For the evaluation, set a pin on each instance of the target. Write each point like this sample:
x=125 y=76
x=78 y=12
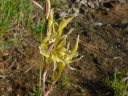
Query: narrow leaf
x=37 y=4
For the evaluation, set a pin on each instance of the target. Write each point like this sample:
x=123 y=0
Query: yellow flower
x=53 y=47
x=65 y=60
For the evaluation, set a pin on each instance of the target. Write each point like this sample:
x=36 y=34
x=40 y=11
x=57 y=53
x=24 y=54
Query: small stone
x=124 y=21
x=77 y=1
x=62 y=14
x=97 y=24
x=9 y=89
x=15 y=35
x=99 y=60
x=90 y=3
x=2 y=89
x=83 y=1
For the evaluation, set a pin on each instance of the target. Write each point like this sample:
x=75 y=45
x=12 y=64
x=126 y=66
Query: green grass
x=58 y=4
x=19 y=13
x=119 y=84
x=11 y=41
x=65 y=79
x=36 y=92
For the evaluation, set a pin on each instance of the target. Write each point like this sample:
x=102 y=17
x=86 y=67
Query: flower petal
x=50 y=21
x=74 y=49
x=60 y=41
x=63 y=23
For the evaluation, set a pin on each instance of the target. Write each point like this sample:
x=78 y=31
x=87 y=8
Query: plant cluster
x=54 y=48
x=119 y=85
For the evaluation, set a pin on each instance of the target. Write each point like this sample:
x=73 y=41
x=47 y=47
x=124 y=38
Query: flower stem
x=43 y=83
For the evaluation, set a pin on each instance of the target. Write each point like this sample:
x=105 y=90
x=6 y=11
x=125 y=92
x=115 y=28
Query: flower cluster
x=54 y=47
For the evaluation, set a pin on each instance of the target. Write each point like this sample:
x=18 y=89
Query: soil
x=103 y=44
